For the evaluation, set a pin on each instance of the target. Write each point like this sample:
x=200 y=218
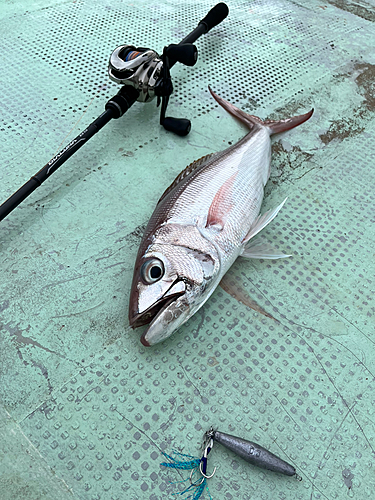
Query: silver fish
x=201 y=224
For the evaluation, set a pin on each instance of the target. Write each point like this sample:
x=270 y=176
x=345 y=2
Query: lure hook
x=195 y=482
x=203 y=462
x=203 y=474
x=207 y=449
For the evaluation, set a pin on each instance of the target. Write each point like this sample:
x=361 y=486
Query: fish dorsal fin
x=187 y=171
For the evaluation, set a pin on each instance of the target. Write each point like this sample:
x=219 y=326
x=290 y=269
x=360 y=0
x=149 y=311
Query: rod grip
x=215 y=16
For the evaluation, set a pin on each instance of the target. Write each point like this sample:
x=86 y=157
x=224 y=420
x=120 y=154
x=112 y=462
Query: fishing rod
x=143 y=75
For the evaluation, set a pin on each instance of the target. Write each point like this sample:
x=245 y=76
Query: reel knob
x=180 y=126
x=185 y=53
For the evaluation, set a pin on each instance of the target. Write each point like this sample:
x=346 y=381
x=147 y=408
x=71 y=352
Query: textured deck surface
x=85 y=409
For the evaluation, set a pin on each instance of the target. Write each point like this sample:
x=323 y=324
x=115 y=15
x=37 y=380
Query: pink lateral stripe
x=221 y=205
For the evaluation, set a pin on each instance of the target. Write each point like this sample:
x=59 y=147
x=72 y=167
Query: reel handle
x=186 y=54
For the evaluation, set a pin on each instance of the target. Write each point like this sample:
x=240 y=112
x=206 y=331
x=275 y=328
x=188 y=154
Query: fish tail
x=274 y=126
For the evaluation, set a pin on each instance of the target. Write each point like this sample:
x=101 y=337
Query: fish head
x=170 y=283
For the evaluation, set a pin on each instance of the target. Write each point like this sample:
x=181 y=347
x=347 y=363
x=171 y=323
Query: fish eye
x=152 y=270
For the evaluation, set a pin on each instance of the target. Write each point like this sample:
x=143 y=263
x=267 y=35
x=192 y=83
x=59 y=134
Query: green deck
x=85 y=409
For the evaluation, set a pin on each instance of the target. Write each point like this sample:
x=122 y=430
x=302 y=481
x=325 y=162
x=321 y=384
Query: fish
x=202 y=223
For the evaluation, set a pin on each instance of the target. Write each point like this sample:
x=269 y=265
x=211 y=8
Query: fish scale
x=201 y=224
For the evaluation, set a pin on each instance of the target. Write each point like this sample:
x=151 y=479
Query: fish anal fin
x=187 y=171
x=262 y=221
x=229 y=285
x=260 y=248
x=221 y=204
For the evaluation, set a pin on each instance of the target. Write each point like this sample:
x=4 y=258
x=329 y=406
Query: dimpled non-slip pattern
x=86 y=410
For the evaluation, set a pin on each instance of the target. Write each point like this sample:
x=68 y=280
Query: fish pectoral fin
x=221 y=205
x=262 y=221
x=260 y=248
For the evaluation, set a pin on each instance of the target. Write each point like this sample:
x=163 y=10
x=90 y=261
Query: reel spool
x=138 y=67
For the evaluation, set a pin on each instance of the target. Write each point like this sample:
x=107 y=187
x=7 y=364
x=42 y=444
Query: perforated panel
x=93 y=408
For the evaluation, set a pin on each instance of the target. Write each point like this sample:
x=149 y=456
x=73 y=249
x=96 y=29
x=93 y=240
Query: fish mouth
x=145 y=317
x=168 y=319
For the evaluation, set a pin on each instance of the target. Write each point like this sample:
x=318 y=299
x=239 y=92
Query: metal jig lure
x=253 y=453
x=249 y=451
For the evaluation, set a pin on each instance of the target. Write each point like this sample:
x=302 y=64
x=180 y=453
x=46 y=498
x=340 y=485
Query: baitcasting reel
x=138 y=67
x=148 y=73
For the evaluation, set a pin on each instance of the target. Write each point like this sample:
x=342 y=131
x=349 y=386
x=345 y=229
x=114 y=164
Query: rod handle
x=215 y=16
